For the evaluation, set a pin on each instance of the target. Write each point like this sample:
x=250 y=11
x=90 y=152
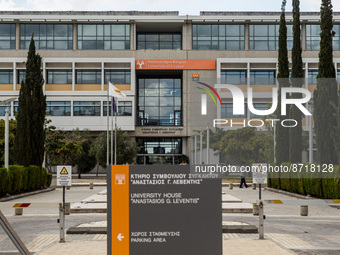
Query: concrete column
x=246 y=36
x=187 y=33
x=255 y=209
x=17 y=36
x=133 y=36
x=303 y=36
x=75 y=36
x=14 y=76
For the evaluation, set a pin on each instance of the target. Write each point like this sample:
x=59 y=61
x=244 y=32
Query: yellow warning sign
x=63 y=171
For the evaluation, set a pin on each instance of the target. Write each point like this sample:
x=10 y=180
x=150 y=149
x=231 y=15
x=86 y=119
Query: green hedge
x=20 y=179
x=327 y=186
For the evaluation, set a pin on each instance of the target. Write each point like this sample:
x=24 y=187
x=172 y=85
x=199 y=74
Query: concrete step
x=237 y=208
x=88 y=208
x=230 y=199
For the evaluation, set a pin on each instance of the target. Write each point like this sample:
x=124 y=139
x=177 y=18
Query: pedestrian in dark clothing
x=243 y=180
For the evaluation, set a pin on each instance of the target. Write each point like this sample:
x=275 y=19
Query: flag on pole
x=114 y=106
x=114 y=92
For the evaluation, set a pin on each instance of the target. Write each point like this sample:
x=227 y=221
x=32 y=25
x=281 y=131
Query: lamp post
x=7 y=128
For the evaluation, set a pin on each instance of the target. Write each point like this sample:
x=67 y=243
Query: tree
x=282 y=133
x=12 y=131
x=127 y=149
x=325 y=96
x=85 y=161
x=60 y=149
x=295 y=133
x=30 y=136
x=246 y=146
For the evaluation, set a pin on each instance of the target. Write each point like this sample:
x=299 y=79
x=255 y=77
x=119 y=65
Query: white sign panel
x=260 y=173
x=64 y=175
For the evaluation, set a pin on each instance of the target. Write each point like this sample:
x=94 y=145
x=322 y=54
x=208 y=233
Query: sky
x=185 y=7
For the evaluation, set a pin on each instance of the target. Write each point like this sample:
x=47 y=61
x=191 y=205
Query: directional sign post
x=163 y=210
x=64 y=178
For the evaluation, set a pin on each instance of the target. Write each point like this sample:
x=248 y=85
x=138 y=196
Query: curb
x=86 y=230
x=289 y=193
x=26 y=194
x=248 y=229
x=88 y=210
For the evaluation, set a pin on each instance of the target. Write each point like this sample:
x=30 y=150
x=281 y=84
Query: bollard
x=231 y=185
x=18 y=211
x=68 y=187
x=91 y=185
x=67 y=208
x=261 y=221
x=255 y=209
x=62 y=223
x=304 y=210
x=254 y=186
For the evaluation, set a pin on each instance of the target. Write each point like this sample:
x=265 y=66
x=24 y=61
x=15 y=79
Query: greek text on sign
x=175 y=64
x=259 y=176
x=64 y=175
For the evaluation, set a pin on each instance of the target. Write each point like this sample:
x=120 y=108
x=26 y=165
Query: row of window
x=80 y=108
x=64 y=76
x=117 y=37
x=261 y=77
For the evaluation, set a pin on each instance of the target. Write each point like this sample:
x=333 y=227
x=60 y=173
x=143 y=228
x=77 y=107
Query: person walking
x=243 y=180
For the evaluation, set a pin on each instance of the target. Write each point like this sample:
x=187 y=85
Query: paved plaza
x=286 y=232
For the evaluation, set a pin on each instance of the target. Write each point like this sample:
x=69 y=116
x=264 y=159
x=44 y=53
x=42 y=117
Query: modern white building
x=157 y=60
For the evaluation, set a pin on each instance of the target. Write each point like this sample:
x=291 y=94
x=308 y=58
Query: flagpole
x=112 y=132
x=108 y=124
x=116 y=132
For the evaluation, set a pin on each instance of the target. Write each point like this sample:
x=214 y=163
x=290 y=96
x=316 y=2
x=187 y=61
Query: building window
x=234 y=77
x=60 y=108
x=7 y=36
x=262 y=77
x=159 y=102
x=59 y=76
x=227 y=111
x=88 y=76
x=118 y=76
x=159 y=41
x=86 y=108
x=218 y=37
x=22 y=75
x=6 y=76
x=103 y=37
x=266 y=37
x=261 y=107
x=312 y=74
x=47 y=36
x=160 y=145
x=3 y=109
x=124 y=108
x=313 y=32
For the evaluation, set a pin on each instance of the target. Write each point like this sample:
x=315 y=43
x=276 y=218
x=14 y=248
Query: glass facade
x=118 y=76
x=159 y=41
x=59 y=76
x=7 y=36
x=58 y=108
x=103 y=36
x=218 y=37
x=22 y=75
x=266 y=37
x=259 y=106
x=89 y=108
x=88 y=76
x=6 y=76
x=313 y=37
x=3 y=109
x=234 y=77
x=227 y=111
x=47 y=36
x=262 y=77
x=124 y=108
x=160 y=145
x=312 y=74
x=159 y=102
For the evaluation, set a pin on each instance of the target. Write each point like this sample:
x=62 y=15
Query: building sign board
x=64 y=175
x=175 y=64
x=163 y=210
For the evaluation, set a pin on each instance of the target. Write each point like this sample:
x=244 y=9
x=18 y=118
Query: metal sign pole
x=62 y=218
x=261 y=221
